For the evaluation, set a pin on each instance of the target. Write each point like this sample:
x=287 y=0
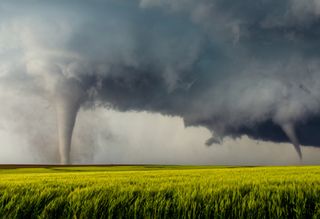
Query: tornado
x=288 y=129
x=68 y=98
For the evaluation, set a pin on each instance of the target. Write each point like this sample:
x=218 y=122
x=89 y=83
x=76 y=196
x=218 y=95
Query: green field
x=160 y=192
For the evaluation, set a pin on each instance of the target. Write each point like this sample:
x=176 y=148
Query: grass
x=160 y=192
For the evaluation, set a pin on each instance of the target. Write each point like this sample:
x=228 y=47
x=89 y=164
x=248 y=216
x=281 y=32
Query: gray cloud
x=236 y=68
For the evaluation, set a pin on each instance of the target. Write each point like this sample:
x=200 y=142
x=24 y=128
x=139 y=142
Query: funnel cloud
x=68 y=97
x=248 y=68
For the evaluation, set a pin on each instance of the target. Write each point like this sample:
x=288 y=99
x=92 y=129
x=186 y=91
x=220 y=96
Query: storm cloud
x=248 y=68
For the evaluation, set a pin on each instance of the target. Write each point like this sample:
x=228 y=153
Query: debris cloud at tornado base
x=237 y=68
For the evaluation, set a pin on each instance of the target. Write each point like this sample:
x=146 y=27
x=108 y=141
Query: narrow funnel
x=69 y=96
x=290 y=132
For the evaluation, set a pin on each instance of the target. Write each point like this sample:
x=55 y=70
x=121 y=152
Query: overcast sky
x=160 y=81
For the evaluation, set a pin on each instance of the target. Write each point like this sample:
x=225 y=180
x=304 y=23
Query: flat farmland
x=151 y=191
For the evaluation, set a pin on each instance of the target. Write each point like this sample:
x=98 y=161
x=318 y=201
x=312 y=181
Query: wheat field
x=160 y=192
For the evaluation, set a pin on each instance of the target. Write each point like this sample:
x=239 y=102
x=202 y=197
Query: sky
x=160 y=81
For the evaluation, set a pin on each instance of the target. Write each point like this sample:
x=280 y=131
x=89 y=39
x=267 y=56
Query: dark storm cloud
x=238 y=68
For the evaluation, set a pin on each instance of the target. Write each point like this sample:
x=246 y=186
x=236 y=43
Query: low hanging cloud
x=237 y=68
